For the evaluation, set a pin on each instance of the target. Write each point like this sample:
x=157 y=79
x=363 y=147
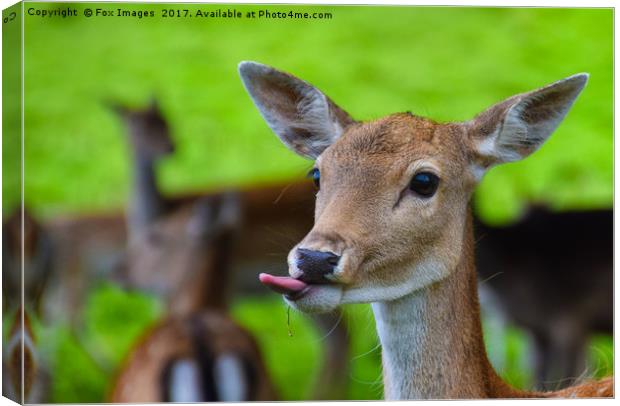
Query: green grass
x=293 y=359
x=11 y=105
x=289 y=367
x=447 y=63
x=83 y=366
x=83 y=361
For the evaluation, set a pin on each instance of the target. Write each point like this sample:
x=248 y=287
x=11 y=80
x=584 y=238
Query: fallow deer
x=545 y=290
x=25 y=379
x=86 y=249
x=166 y=242
x=393 y=225
x=197 y=353
x=36 y=258
x=203 y=358
x=182 y=252
x=26 y=259
x=163 y=233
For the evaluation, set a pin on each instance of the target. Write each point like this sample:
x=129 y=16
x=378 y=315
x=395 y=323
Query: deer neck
x=432 y=345
x=147 y=202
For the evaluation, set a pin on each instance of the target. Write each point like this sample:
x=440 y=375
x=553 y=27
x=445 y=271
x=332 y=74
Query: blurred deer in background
x=86 y=250
x=34 y=385
x=204 y=357
x=562 y=293
x=197 y=353
x=164 y=230
x=37 y=261
x=20 y=350
x=393 y=225
x=165 y=233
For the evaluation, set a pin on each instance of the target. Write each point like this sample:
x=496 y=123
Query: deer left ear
x=304 y=118
x=515 y=128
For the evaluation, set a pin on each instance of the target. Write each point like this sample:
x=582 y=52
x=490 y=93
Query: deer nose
x=315 y=265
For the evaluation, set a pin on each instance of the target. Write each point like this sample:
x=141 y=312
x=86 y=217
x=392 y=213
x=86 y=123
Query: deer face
x=148 y=130
x=393 y=193
x=390 y=198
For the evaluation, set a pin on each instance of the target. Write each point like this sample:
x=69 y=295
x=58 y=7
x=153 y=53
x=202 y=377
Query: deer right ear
x=304 y=119
x=513 y=129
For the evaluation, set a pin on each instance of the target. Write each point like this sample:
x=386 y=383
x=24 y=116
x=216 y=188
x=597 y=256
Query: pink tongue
x=282 y=284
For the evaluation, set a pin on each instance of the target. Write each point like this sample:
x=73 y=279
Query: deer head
x=148 y=130
x=393 y=193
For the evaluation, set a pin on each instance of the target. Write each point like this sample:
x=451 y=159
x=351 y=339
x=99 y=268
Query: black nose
x=315 y=265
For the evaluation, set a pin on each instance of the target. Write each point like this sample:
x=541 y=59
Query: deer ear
x=153 y=104
x=515 y=128
x=116 y=107
x=304 y=119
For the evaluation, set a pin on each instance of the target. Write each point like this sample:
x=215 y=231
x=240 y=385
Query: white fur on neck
x=403 y=327
x=402 y=331
x=424 y=274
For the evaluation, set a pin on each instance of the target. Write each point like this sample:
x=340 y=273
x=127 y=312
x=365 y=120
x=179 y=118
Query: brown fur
x=374 y=156
x=186 y=253
x=274 y=215
x=183 y=268
x=81 y=244
x=410 y=255
x=20 y=350
x=36 y=261
x=173 y=338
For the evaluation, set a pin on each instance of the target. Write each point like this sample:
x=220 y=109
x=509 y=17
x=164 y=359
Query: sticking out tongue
x=282 y=284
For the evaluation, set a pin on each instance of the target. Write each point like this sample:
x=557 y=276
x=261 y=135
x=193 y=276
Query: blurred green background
x=446 y=63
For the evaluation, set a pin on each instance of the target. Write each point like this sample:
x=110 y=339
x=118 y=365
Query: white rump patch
x=185 y=382
x=230 y=378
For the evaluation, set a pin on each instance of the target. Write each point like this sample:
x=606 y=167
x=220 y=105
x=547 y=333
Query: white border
x=478 y=3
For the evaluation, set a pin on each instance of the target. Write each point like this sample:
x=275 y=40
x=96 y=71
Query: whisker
x=332 y=329
x=377 y=381
x=367 y=352
x=287 y=187
x=491 y=277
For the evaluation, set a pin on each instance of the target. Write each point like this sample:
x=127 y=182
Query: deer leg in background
x=69 y=295
x=541 y=353
x=333 y=378
x=227 y=223
x=566 y=359
x=211 y=231
x=496 y=322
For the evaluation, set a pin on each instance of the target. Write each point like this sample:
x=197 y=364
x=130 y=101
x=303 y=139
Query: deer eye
x=424 y=184
x=315 y=175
